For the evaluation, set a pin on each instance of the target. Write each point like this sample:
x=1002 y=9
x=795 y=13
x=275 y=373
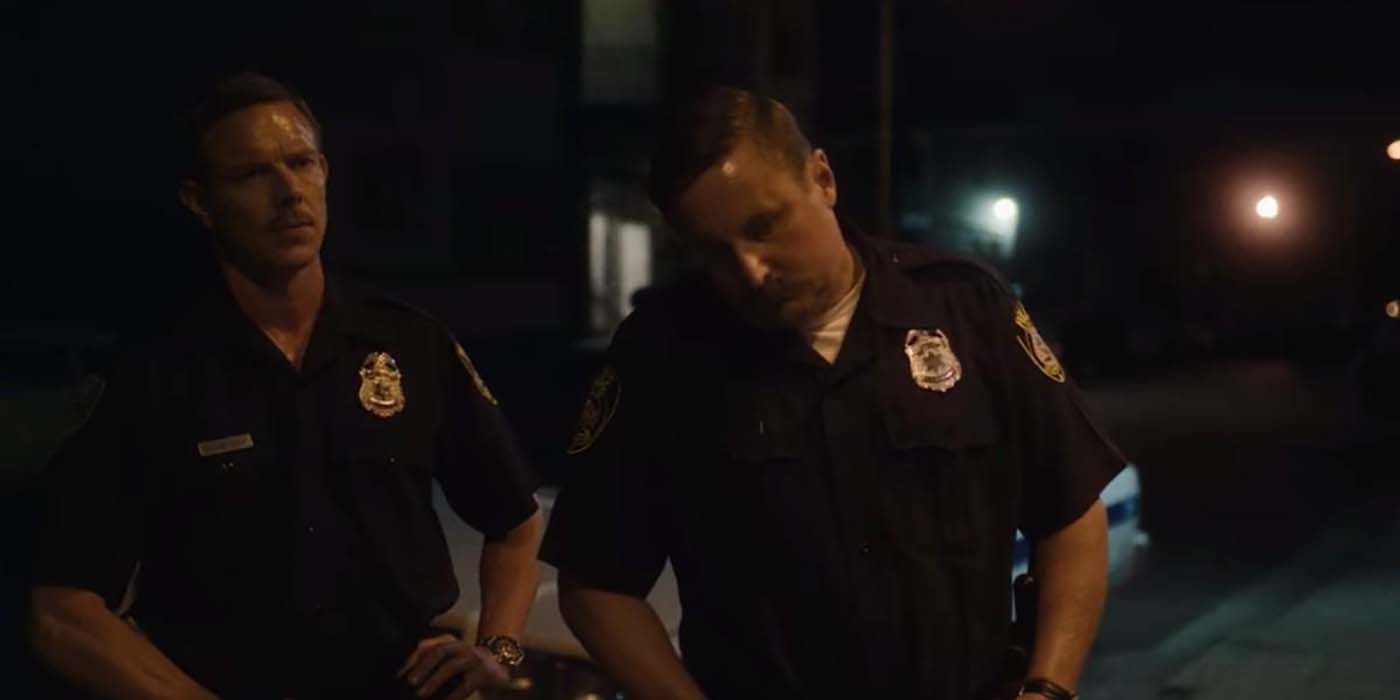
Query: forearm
x=509 y=575
x=1072 y=568
x=75 y=634
x=625 y=636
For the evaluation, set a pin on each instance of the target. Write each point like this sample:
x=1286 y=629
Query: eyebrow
x=259 y=162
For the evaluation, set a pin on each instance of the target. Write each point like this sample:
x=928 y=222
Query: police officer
x=833 y=440
x=257 y=475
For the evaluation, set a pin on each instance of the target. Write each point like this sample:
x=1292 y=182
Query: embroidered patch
x=932 y=364
x=1036 y=348
x=476 y=376
x=603 y=398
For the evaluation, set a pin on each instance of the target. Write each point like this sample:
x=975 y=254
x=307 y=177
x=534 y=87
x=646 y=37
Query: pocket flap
x=962 y=416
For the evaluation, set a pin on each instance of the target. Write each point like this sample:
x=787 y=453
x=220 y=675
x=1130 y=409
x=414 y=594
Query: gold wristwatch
x=506 y=650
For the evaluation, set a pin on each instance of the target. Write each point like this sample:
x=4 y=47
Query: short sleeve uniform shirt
x=836 y=530
x=277 y=523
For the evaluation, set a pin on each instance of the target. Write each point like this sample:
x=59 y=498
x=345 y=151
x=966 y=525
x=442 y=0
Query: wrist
x=1046 y=689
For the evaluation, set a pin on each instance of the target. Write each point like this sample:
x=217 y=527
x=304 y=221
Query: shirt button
x=864 y=547
x=310 y=529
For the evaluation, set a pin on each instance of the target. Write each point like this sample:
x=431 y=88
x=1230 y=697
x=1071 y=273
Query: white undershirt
x=830 y=331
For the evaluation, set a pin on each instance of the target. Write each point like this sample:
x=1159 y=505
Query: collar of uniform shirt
x=340 y=317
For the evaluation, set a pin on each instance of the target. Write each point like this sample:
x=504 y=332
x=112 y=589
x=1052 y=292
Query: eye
x=302 y=162
x=760 y=226
x=250 y=172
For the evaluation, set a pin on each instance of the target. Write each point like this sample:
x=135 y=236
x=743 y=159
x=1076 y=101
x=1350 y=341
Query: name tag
x=232 y=443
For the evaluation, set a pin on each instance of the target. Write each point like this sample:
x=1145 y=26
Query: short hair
x=228 y=96
x=709 y=126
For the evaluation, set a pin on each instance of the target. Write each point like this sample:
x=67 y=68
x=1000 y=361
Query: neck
x=847 y=278
x=284 y=307
x=851 y=273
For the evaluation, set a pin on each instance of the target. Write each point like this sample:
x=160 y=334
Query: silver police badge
x=932 y=363
x=381 y=385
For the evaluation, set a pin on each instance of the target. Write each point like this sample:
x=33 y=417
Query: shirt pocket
x=386 y=469
x=388 y=498
x=226 y=498
x=948 y=458
x=739 y=464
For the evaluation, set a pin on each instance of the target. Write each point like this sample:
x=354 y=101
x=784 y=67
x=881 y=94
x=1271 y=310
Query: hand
x=440 y=659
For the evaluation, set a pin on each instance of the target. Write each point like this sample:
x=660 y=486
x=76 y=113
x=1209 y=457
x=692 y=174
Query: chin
x=288 y=262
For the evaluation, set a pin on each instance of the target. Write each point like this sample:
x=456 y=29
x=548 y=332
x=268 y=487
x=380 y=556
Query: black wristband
x=1048 y=688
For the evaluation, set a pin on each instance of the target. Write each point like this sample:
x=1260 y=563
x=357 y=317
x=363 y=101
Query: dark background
x=463 y=142
x=470 y=141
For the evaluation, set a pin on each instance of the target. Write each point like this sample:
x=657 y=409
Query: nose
x=286 y=186
x=752 y=268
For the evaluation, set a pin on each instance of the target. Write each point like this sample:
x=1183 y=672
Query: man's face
x=264 y=193
x=768 y=237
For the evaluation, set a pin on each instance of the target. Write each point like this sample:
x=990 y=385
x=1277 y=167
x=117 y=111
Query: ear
x=819 y=170
x=191 y=195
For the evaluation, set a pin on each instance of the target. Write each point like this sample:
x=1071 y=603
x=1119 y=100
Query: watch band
x=507 y=650
x=1048 y=688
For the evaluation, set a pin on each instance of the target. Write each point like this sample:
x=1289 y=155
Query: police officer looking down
x=257 y=475
x=832 y=439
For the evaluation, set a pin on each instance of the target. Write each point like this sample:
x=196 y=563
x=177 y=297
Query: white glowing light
x=1393 y=150
x=1267 y=207
x=1005 y=209
x=1392 y=308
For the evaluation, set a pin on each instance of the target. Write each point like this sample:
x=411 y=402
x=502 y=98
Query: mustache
x=771 y=293
x=293 y=219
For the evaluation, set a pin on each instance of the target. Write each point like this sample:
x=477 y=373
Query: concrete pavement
x=1341 y=641
x=1326 y=625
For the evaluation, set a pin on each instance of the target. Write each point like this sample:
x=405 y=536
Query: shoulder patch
x=604 y=395
x=1035 y=347
x=480 y=383
x=933 y=260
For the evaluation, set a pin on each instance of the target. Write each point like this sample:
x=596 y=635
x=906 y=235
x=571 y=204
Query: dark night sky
x=1123 y=122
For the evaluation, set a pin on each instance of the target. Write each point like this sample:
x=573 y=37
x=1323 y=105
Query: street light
x=998 y=218
x=1005 y=209
x=1267 y=207
x=1393 y=150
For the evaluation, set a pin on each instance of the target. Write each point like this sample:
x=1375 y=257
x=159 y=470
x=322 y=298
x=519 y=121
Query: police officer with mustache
x=247 y=512
x=832 y=439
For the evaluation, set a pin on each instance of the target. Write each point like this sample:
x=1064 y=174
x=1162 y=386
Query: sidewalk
x=1340 y=642
x=1326 y=626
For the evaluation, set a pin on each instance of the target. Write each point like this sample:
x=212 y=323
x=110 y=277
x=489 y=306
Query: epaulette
x=688 y=297
x=386 y=315
x=679 y=311
x=385 y=300
x=921 y=261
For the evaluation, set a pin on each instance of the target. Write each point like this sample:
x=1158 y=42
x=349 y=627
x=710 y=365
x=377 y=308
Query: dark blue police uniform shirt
x=284 y=533
x=836 y=530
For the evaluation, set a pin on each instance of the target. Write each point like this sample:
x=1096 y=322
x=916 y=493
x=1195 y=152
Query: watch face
x=506 y=650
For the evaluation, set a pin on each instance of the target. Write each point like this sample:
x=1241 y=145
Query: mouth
x=294 y=225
